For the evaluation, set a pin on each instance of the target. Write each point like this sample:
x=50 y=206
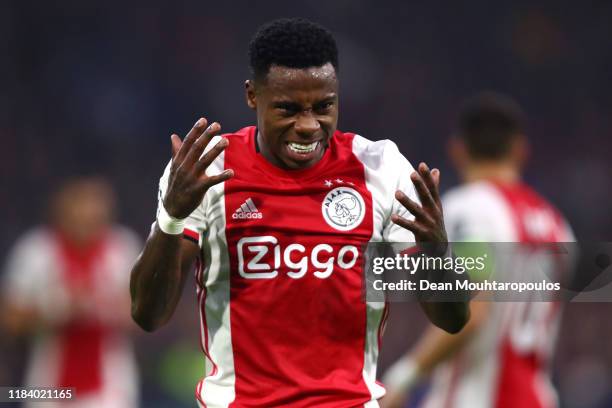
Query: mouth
x=304 y=154
x=303 y=148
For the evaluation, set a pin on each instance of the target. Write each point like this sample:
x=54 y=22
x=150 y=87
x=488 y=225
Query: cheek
x=276 y=125
x=274 y=129
x=329 y=121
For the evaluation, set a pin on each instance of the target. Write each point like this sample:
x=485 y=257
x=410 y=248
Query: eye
x=324 y=107
x=287 y=109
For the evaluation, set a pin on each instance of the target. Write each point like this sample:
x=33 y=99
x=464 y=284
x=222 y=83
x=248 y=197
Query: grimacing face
x=297 y=113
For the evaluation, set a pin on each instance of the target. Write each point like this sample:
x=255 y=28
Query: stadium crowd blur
x=98 y=87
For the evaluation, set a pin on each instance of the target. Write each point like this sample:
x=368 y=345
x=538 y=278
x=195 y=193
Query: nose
x=306 y=124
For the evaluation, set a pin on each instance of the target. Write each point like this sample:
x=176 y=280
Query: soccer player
x=66 y=288
x=501 y=358
x=278 y=215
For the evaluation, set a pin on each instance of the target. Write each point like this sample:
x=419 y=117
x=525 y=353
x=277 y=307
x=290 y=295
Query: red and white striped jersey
x=283 y=317
x=91 y=352
x=506 y=363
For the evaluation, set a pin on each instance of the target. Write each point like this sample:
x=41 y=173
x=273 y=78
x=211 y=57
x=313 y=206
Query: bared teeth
x=303 y=148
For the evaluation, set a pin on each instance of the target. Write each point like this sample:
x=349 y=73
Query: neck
x=501 y=172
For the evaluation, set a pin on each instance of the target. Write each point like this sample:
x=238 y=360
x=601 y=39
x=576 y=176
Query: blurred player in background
x=66 y=286
x=281 y=212
x=501 y=358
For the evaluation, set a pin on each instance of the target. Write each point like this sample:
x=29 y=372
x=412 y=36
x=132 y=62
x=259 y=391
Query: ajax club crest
x=343 y=208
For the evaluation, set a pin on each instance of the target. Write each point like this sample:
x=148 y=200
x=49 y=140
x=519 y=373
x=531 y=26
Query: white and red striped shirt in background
x=506 y=364
x=90 y=351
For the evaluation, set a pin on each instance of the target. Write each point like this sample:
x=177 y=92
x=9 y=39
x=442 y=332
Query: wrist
x=169 y=224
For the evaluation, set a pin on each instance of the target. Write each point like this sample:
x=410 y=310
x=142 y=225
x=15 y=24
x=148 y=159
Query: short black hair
x=291 y=43
x=488 y=123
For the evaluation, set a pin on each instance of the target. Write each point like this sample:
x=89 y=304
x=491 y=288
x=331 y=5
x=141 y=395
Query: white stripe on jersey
x=217 y=390
x=378 y=158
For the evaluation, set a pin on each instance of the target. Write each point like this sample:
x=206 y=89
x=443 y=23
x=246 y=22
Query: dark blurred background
x=98 y=87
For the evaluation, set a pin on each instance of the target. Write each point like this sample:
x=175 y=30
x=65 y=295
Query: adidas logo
x=247 y=211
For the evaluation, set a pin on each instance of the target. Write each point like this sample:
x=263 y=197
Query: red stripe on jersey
x=201 y=296
x=381 y=329
x=81 y=340
x=199 y=270
x=525 y=205
x=537 y=223
x=383 y=324
x=298 y=332
x=187 y=233
x=204 y=339
x=198 y=393
x=517 y=381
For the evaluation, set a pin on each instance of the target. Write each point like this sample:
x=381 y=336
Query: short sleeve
x=28 y=280
x=475 y=217
x=400 y=169
x=195 y=224
x=475 y=213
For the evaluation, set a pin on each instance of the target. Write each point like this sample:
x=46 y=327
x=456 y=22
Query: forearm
x=436 y=346
x=449 y=316
x=448 y=309
x=157 y=279
x=433 y=348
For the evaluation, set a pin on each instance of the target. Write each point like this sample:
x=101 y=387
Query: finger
x=211 y=155
x=435 y=173
x=191 y=137
x=427 y=177
x=416 y=228
x=414 y=208
x=200 y=144
x=176 y=143
x=208 y=182
x=422 y=190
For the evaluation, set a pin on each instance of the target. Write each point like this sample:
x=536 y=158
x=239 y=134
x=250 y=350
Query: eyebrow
x=324 y=101
x=290 y=105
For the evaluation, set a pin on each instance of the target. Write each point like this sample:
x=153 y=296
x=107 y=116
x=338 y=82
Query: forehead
x=282 y=82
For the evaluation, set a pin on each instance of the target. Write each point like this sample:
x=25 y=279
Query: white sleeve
x=28 y=277
x=476 y=213
x=399 y=171
x=568 y=232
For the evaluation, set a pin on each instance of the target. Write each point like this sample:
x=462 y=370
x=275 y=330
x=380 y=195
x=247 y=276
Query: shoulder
x=238 y=142
x=242 y=136
x=124 y=236
x=37 y=239
x=379 y=154
x=32 y=254
x=480 y=194
x=241 y=144
x=477 y=211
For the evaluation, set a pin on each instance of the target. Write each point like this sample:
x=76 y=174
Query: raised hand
x=428 y=223
x=188 y=181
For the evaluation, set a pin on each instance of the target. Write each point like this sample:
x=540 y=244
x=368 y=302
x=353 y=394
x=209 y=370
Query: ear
x=251 y=98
